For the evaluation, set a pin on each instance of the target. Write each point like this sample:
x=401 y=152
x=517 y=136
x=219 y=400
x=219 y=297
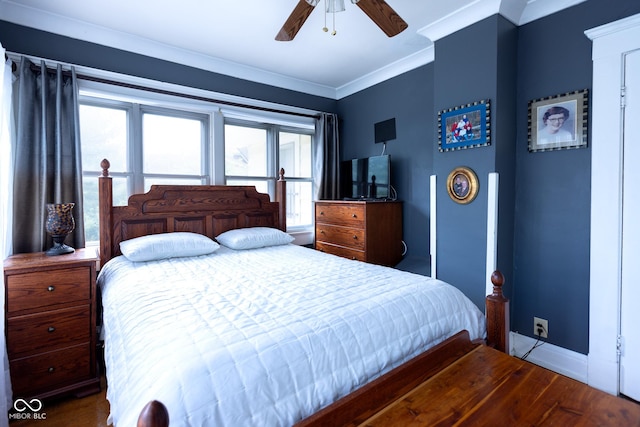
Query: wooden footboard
x=370 y=399
x=355 y=408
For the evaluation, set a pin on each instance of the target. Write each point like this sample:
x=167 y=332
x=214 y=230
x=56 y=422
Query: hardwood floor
x=88 y=411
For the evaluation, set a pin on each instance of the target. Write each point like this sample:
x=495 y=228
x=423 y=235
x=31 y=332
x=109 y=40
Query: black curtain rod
x=195 y=97
x=36 y=68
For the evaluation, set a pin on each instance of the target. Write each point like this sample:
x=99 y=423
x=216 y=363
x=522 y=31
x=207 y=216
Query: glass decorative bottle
x=59 y=224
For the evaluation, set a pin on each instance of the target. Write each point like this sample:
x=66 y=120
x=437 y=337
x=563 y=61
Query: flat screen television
x=367 y=178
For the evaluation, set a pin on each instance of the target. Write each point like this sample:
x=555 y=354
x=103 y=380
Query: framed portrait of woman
x=558 y=122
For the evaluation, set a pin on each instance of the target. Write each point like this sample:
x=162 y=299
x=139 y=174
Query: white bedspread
x=263 y=337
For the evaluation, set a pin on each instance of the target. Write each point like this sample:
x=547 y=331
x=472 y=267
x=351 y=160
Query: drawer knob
x=51 y=288
x=354 y=216
x=321 y=231
x=321 y=212
x=51 y=369
x=51 y=329
x=355 y=237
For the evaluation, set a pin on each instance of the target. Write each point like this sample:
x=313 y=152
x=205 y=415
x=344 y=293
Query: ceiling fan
x=378 y=10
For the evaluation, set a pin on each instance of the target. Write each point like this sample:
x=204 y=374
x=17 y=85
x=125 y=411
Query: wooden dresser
x=51 y=323
x=362 y=230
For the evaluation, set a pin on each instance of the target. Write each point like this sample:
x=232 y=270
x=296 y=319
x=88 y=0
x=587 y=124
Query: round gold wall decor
x=462 y=185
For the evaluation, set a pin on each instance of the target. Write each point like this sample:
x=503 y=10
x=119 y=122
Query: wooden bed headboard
x=202 y=209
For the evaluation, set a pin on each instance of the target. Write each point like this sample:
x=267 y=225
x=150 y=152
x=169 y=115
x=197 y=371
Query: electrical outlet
x=540 y=327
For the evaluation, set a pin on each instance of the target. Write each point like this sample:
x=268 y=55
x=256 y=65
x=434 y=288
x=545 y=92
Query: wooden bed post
x=105 y=201
x=497 y=306
x=281 y=198
x=154 y=414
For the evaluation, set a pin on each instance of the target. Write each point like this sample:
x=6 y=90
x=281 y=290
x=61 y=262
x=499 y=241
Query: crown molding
x=519 y=12
x=536 y=9
x=394 y=69
x=460 y=18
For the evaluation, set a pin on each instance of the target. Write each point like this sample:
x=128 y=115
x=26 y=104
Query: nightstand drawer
x=55 y=368
x=340 y=214
x=47 y=331
x=350 y=237
x=340 y=251
x=40 y=289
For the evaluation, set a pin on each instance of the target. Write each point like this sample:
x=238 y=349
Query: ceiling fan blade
x=384 y=16
x=295 y=21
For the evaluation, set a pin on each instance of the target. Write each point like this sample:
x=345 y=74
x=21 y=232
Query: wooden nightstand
x=50 y=318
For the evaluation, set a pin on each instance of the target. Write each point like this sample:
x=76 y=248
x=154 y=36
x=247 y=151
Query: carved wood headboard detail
x=203 y=209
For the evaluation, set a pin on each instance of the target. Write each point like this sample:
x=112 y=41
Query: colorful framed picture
x=462 y=185
x=466 y=126
x=559 y=122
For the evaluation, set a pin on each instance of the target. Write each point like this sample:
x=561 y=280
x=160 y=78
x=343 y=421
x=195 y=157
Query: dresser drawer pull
x=321 y=231
x=321 y=213
x=51 y=288
x=51 y=329
x=355 y=237
x=51 y=369
x=354 y=216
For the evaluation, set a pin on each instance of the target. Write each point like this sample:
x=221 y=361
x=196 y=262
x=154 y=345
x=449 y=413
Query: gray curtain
x=328 y=158
x=48 y=165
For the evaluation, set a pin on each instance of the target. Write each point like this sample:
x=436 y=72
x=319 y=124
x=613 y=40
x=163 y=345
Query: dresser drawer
x=349 y=215
x=40 y=289
x=56 y=368
x=340 y=251
x=345 y=236
x=51 y=330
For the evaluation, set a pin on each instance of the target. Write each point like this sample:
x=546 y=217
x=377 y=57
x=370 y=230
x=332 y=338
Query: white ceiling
x=237 y=37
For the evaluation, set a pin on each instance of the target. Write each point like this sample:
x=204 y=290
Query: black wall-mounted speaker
x=385 y=131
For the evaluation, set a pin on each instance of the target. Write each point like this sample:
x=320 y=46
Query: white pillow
x=167 y=245
x=253 y=237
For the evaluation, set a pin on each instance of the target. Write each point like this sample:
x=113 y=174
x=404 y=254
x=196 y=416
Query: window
x=145 y=146
x=296 y=158
x=254 y=154
x=104 y=135
x=172 y=141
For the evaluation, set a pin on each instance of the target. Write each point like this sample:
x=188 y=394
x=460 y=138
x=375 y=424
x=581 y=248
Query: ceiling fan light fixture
x=378 y=11
x=334 y=6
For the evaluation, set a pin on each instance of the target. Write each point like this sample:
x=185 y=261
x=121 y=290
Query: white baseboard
x=558 y=359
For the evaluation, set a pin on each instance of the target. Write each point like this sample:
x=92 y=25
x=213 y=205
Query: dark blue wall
x=544 y=210
x=553 y=201
x=414 y=100
x=468 y=68
x=409 y=99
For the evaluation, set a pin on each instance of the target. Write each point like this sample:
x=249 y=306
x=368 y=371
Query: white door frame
x=610 y=42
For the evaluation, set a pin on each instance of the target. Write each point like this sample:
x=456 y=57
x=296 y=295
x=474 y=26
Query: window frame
x=273 y=131
x=137 y=102
x=135 y=112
